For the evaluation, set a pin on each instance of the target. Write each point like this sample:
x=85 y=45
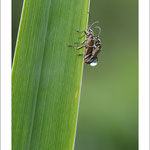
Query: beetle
x=92 y=45
x=92 y=58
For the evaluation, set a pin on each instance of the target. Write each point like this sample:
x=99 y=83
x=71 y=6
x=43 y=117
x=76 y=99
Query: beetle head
x=90 y=32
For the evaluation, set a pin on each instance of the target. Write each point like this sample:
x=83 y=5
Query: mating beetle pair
x=92 y=46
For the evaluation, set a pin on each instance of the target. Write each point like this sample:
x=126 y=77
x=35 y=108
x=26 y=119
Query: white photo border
x=5 y=62
x=143 y=74
x=5 y=75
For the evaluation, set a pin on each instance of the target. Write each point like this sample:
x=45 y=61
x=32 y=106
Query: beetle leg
x=77 y=48
x=77 y=44
x=85 y=32
x=82 y=32
x=80 y=47
x=71 y=46
x=74 y=45
x=80 y=54
x=81 y=43
x=83 y=47
x=84 y=41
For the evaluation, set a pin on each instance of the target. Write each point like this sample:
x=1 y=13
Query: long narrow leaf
x=46 y=75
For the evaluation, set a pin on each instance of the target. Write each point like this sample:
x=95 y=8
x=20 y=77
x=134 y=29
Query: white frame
x=143 y=75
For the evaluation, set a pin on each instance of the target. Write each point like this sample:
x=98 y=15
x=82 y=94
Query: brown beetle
x=92 y=45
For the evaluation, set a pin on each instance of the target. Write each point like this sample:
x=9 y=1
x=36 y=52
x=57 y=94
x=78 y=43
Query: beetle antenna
x=99 y=30
x=93 y=24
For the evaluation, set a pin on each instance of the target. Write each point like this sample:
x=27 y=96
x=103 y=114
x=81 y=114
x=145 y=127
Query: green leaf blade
x=46 y=76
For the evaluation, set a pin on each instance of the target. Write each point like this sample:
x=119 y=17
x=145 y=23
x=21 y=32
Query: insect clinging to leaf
x=92 y=45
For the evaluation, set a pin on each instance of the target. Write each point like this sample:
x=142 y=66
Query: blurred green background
x=108 y=112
